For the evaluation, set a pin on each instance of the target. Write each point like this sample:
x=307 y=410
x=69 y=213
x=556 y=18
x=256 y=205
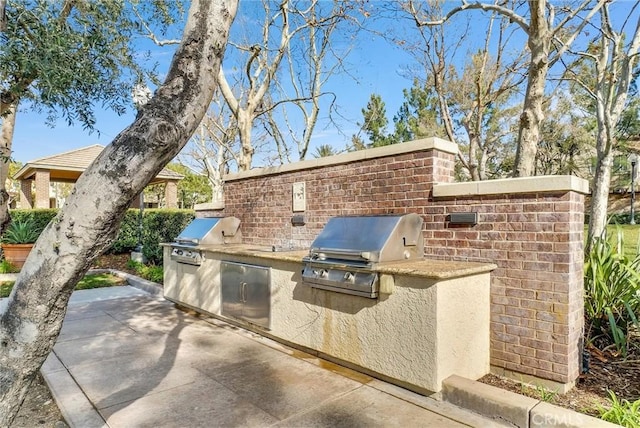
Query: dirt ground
x=606 y=372
x=39 y=409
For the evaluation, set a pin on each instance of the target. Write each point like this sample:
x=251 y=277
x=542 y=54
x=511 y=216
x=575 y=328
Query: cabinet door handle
x=243 y=292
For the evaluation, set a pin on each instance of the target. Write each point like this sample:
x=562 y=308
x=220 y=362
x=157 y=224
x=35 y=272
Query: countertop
x=426 y=268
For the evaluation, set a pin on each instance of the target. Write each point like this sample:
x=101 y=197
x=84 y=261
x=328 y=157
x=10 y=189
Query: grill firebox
x=345 y=254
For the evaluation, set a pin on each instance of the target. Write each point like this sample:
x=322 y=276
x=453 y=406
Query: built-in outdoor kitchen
x=327 y=259
x=361 y=294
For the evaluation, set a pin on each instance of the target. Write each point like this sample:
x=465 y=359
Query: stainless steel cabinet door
x=246 y=292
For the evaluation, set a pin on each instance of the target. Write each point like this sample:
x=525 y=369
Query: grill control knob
x=179 y=252
x=349 y=277
x=324 y=273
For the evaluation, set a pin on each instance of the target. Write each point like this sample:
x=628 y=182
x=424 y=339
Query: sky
x=34 y=139
x=376 y=67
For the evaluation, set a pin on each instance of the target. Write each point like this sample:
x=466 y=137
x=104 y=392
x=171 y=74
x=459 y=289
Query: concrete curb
x=512 y=408
x=74 y=405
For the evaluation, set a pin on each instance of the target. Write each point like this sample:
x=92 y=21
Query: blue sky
x=33 y=138
x=376 y=65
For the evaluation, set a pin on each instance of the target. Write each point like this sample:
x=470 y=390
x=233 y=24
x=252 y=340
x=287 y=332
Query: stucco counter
x=430 y=321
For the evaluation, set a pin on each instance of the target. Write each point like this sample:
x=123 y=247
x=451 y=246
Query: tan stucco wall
x=423 y=332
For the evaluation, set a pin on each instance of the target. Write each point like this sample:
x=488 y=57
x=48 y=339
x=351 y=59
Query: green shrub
x=21 y=232
x=151 y=272
x=162 y=225
x=127 y=238
x=39 y=217
x=622 y=412
x=7 y=267
x=612 y=287
x=159 y=225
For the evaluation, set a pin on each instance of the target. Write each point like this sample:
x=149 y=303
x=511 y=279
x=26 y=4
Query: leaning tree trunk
x=532 y=112
x=6 y=138
x=87 y=224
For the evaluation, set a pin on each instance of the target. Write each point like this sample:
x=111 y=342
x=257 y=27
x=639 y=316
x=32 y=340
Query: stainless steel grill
x=345 y=254
x=204 y=231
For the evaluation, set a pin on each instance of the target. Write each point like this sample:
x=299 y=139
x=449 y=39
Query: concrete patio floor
x=126 y=358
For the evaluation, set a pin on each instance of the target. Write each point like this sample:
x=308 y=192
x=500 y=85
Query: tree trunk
x=87 y=224
x=245 y=122
x=600 y=192
x=6 y=138
x=532 y=114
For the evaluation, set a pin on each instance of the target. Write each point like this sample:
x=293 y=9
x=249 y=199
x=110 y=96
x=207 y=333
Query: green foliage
x=150 y=272
x=612 y=293
x=66 y=57
x=622 y=412
x=159 y=225
x=7 y=267
x=127 y=239
x=374 y=125
x=193 y=188
x=21 y=232
x=5 y=288
x=40 y=218
x=418 y=115
x=162 y=226
x=324 y=150
x=99 y=280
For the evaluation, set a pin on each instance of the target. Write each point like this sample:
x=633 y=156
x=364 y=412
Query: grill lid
x=376 y=238
x=212 y=230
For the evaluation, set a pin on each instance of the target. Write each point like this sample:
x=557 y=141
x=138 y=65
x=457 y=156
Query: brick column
x=26 y=201
x=171 y=194
x=42 y=188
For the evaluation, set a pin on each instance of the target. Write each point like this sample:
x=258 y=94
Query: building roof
x=68 y=166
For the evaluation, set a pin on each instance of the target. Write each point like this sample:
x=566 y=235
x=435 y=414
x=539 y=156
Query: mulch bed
x=607 y=372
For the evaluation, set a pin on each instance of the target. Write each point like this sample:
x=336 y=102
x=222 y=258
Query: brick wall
x=536 y=292
x=534 y=237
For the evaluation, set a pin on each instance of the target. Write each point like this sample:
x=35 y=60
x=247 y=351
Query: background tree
x=315 y=55
x=31 y=319
x=263 y=57
x=214 y=146
x=418 y=115
x=66 y=57
x=606 y=82
x=193 y=188
x=472 y=99
x=550 y=31
x=374 y=125
x=324 y=150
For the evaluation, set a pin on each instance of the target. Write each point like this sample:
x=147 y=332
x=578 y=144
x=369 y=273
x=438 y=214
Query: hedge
x=159 y=225
x=40 y=217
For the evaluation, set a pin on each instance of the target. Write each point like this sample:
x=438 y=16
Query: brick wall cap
x=219 y=205
x=424 y=144
x=546 y=183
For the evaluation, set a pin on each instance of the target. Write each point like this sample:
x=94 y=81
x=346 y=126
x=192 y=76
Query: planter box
x=16 y=254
